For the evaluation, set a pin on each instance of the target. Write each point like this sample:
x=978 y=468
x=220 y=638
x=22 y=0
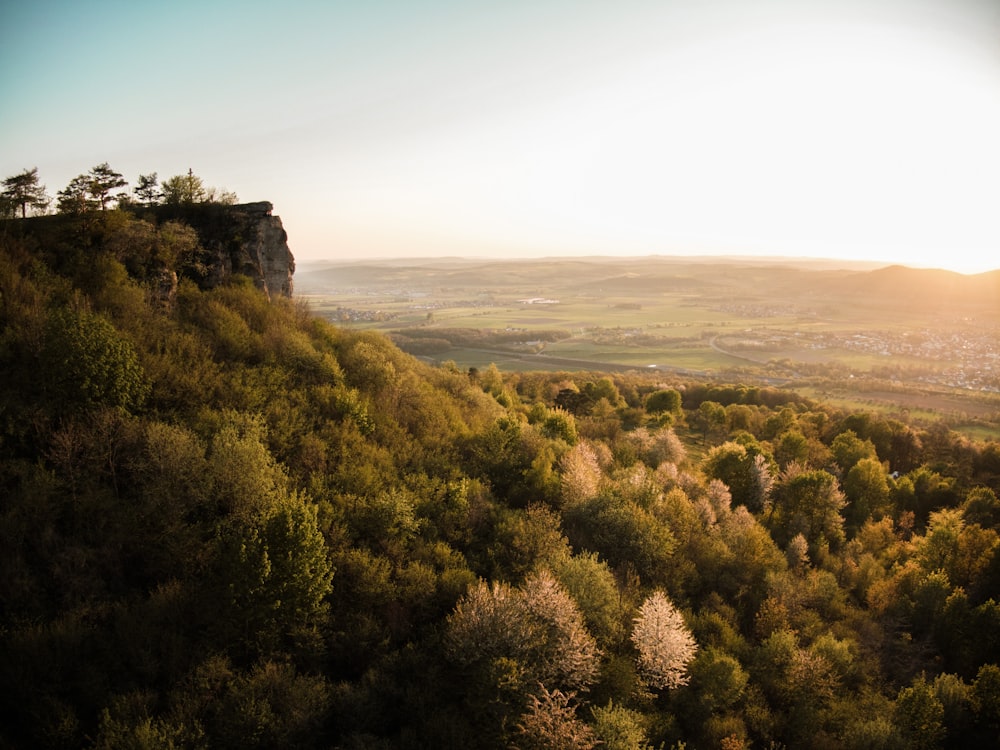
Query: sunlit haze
x=832 y=128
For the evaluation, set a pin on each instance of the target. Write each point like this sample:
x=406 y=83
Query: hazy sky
x=834 y=128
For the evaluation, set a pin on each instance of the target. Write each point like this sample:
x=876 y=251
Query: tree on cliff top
x=103 y=179
x=186 y=189
x=23 y=191
x=75 y=197
x=183 y=189
x=87 y=192
x=148 y=190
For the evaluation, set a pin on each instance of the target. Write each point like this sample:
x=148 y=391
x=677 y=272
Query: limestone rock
x=165 y=286
x=269 y=256
x=242 y=239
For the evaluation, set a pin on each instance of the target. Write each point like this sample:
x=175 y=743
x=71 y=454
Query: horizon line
x=720 y=257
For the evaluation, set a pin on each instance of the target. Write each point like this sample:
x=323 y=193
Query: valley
x=894 y=338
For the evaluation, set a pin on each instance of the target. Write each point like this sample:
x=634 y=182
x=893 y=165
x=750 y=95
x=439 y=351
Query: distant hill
x=552 y=271
x=890 y=285
x=928 y=288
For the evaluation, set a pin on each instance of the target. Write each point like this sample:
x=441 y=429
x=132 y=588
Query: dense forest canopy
x=228 y=523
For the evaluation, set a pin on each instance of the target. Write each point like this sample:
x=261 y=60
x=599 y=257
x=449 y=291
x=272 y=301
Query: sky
x=856 y=129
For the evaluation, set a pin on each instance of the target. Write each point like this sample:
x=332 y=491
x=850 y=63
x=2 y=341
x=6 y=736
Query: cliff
x=242 y=239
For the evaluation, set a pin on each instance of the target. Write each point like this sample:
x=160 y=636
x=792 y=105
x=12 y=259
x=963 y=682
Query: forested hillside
x=227 y=523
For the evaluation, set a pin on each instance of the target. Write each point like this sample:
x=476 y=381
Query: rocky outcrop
x=264 y=255
x=242 y=239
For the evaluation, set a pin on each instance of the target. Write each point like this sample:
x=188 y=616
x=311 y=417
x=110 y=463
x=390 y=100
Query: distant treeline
x=434 y=340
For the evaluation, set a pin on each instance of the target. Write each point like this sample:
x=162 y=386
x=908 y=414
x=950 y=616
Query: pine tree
x=23 y=191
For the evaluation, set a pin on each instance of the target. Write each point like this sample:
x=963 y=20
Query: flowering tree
x=581 y=473
x=665 y=645
x=488 y=622
x=570 y=655
x=538 y=627
x=550 y=723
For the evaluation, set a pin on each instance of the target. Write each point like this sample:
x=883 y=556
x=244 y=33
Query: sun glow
x=836 y=128
x=780 y=146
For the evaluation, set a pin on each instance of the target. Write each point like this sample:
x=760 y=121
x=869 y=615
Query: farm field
x=893 y=337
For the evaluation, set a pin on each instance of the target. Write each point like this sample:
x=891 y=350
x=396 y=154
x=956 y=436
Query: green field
x=927 y=340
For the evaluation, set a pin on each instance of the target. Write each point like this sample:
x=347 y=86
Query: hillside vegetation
x=225 y=522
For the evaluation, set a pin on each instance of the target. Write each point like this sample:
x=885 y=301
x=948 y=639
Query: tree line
x=102 y=188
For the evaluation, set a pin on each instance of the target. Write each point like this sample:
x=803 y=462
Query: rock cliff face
x=242 y=239
x=263 y=254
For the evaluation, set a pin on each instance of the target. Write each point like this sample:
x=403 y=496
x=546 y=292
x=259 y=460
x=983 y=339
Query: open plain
x=891 y=337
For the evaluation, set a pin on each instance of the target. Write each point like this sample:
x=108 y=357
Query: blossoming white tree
x=581 y=473
x=538 y=626
x=665 y=645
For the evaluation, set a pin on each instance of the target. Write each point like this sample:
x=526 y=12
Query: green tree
x=504 y=455
x=664 y=401
x=712 y=417
x=848 y=449
x=184 y=189
x=137 y=733
x=619 y=728
x=603 y=388
x=867 y=490
x=920 y=716
x=246 y=479
x=981 y=506
x=272 y=577
x=791 y=447
x=956 y=699
x=147 y=189
x=560 y=425
x=102 y=180
x=624 y=533
x=807 y=503
x=924 y=490
x=24 y=191
x=87 y=362
x=986 y=697
x=272 y=705
x=147 y=250
x=75 y=198
x=132 y=244
x=718 y=682
x=938 y=548
x=592 y=585
x=740 y=417
x=746 y=473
